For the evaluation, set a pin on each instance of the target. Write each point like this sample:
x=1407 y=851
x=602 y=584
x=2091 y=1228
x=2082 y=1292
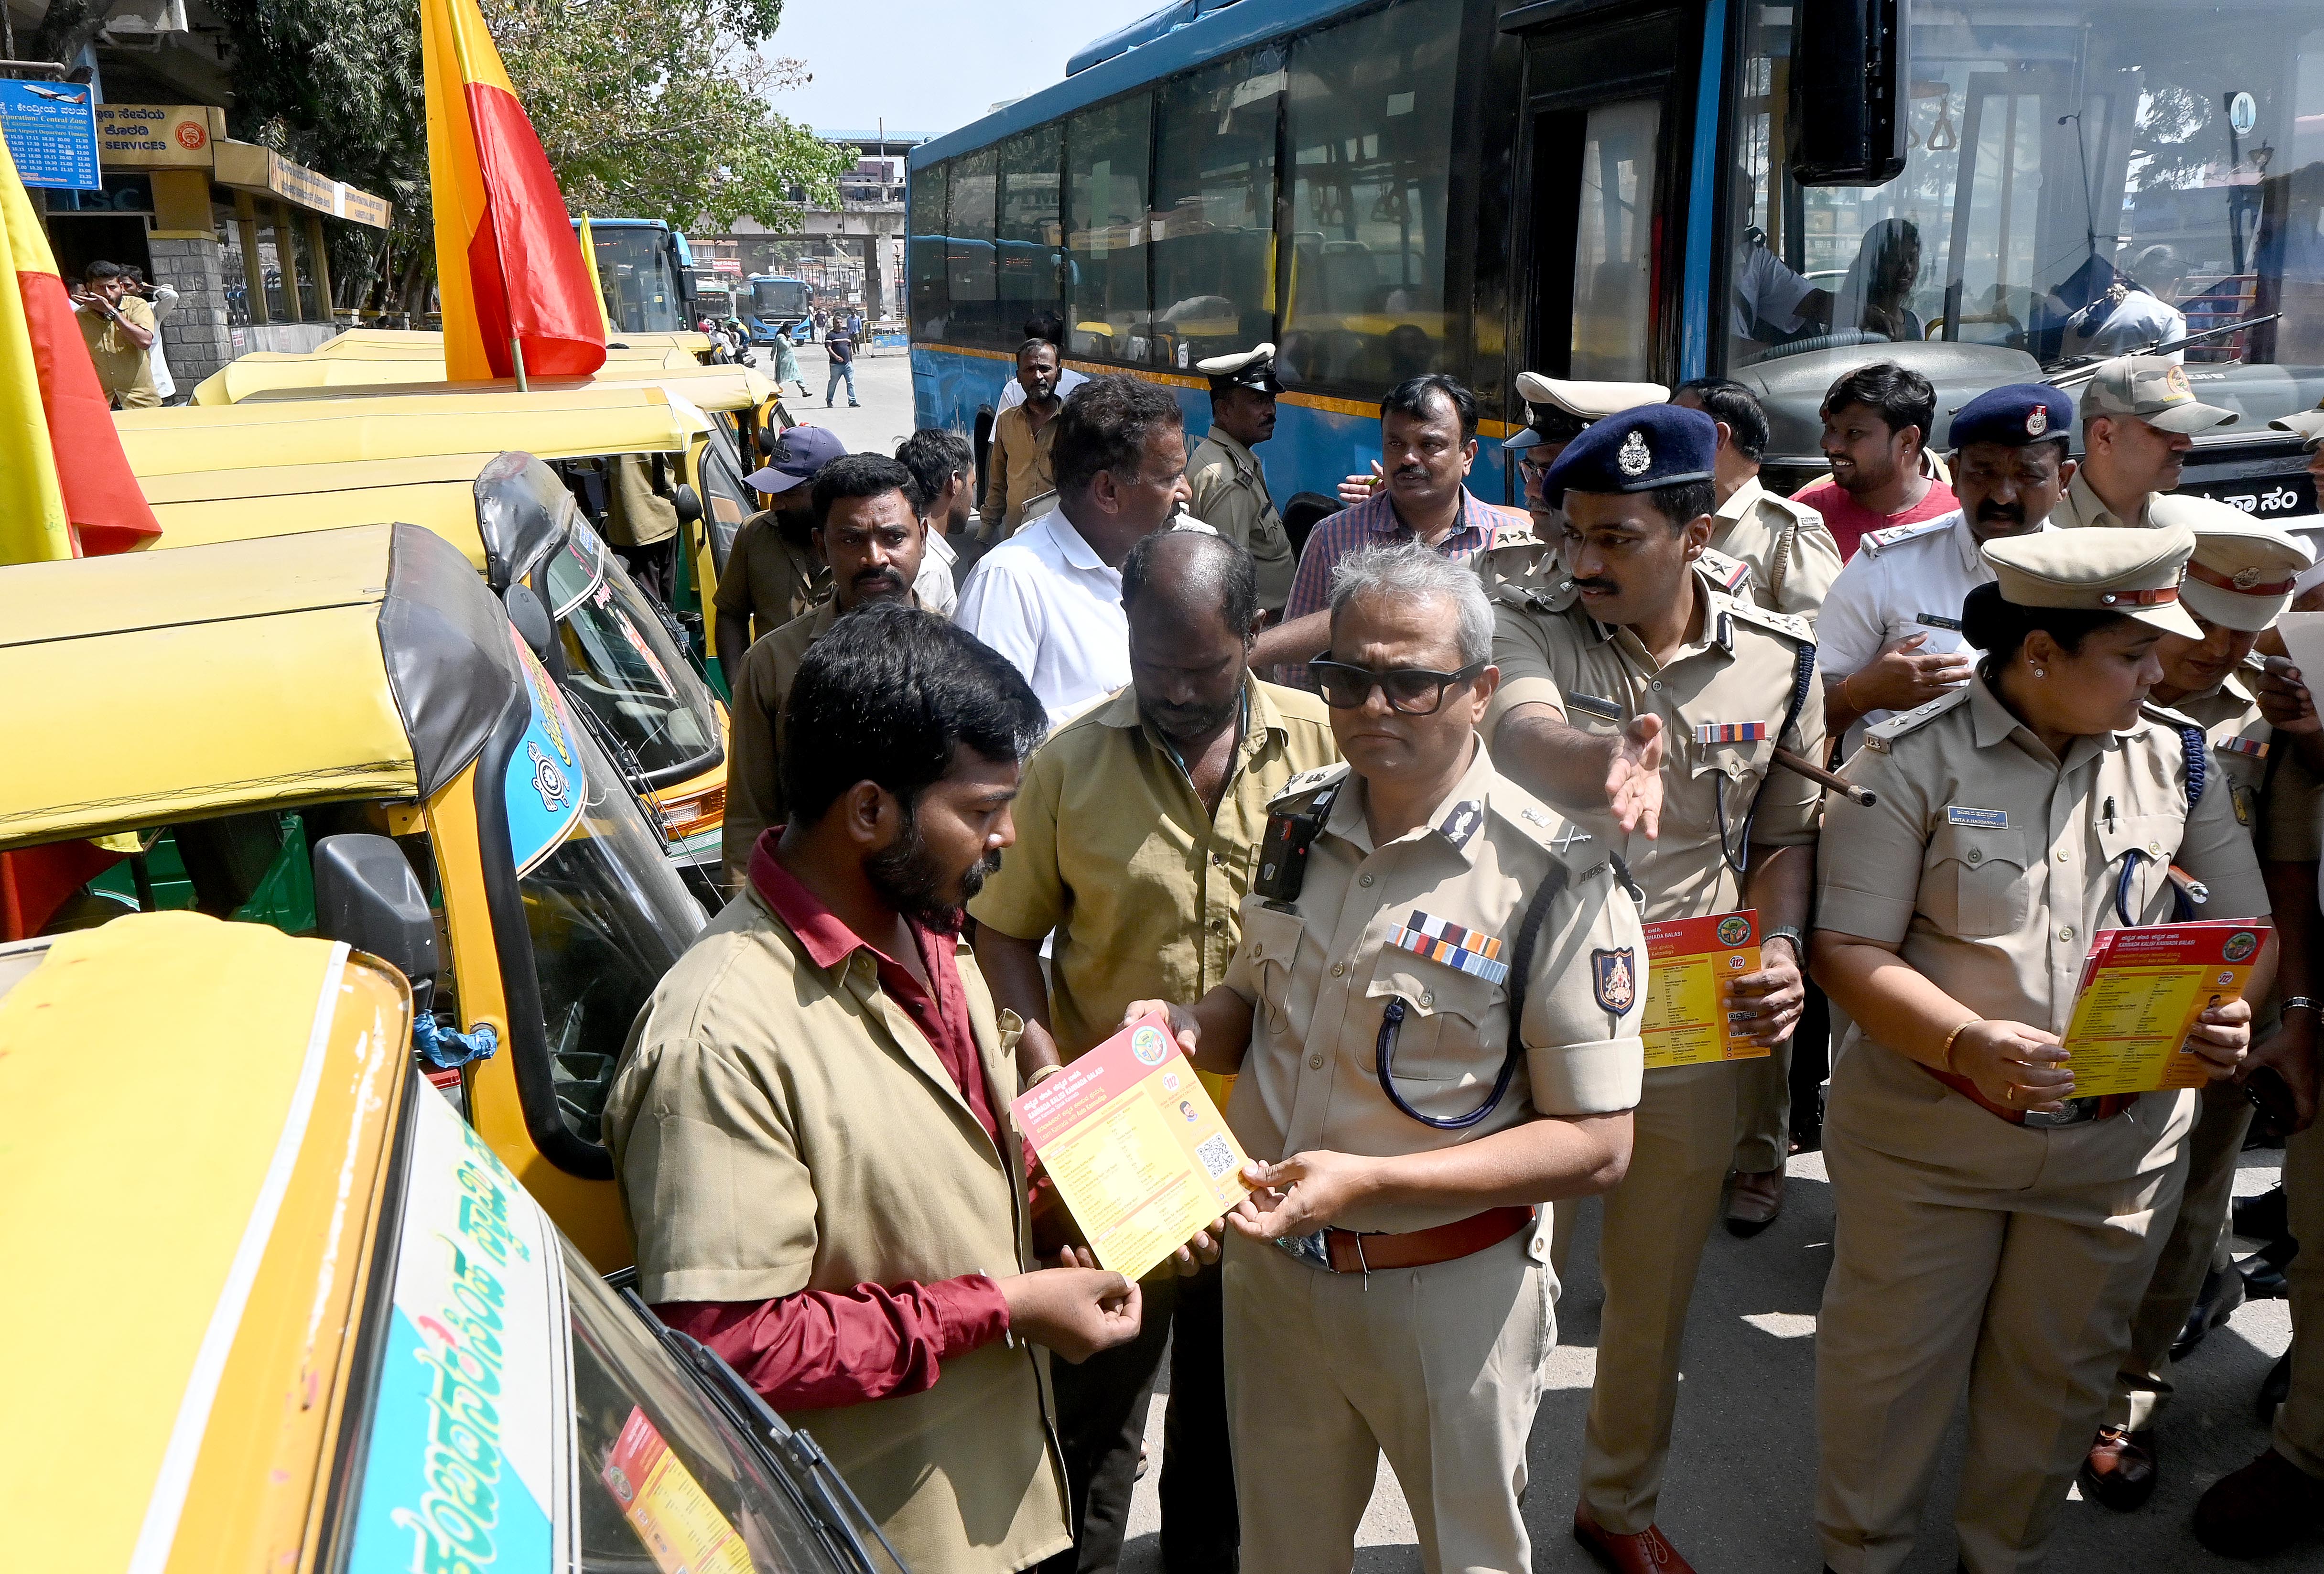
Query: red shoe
x=1647 y=1552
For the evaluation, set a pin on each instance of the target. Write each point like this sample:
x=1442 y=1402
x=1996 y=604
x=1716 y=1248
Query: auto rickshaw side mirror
x=688 y=504
x=526 y=611
x=366 y=895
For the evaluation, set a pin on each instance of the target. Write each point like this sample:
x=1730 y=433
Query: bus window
x=1031 y=235
x=1213 y=222
x=924 y=253
x=1370 y=125
x=975 y=181
x=1107 y=317
x=1613 y=242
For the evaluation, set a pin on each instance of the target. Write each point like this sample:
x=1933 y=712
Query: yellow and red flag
x=65 y=490
x=506 y=260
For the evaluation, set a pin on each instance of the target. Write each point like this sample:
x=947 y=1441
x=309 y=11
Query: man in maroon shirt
x=1875 y=430
x=810 y=1124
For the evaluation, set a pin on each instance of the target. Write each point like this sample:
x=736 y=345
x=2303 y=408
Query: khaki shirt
x=1741 y=668
x=1792 y=556
x=635 y=514
x=754 y=746
x=2275 y=798
x=1990 y=863
x=2079 y=506
x=125 y=369
x=778 y=1127
x=770 y=578
x=1115 y=853
x=1231 y=496
x=1019 y=465
x=1323 y=974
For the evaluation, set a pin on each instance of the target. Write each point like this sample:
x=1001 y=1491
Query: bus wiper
x=2082 y=368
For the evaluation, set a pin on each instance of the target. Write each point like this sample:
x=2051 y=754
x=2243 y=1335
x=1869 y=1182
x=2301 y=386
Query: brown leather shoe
x=1647 y=1552
x=2261 y=1509
x=1753 y=1201
x=2120 y=1470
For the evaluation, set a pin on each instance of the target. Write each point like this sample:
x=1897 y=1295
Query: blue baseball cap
x=2014 y=415
x=803 y=451
x=1638 y=450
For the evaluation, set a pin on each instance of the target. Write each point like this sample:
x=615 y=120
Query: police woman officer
x=1994 y=1229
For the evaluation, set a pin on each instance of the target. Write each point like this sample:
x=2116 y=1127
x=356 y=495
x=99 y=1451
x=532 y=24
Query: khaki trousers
x=1972 y=1253
x=1650 y=1243
x=1763 y=1112
x=2198 y=1245
x=2300 y=1423
x=1440 y=1368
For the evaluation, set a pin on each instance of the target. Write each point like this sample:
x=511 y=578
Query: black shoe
x=2262 y=1271
x=2260 y=1218
x=2274 y=1389
x=2222 y=1293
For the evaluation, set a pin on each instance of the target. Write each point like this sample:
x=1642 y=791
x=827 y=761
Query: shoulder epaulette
x=1784 y=624
x=2176 y=720
x=1542 y=592
x=1308 y=782
x=1801 y=514
x=1880 y=736
x=1516 y=532
x=1501 y=563
x=1879 y=541
x=1537 y=822
x=1731 y=575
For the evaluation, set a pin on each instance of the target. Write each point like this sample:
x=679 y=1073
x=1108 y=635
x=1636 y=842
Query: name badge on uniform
x=1595 y=706
x=1731 y=731
x=1937 y=620
x=1984 y=819
x=1476 y=954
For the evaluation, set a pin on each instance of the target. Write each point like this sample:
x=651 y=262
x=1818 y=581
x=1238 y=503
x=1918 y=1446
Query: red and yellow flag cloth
x=506 y=259
x=65 y=490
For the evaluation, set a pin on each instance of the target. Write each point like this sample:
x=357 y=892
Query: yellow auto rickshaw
x=289 y=1313
x=200 y=727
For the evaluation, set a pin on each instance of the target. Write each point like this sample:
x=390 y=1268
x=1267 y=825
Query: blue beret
x=1638 y=450
x=2015 y=414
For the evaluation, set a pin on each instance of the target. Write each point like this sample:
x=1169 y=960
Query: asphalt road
x=883 y=382
x=1740 y=1493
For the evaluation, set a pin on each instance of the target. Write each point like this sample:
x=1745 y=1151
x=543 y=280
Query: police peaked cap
x=1252 y=368
x=1638 y=450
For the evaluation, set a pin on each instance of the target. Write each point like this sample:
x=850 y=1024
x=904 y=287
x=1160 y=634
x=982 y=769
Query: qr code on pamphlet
x=1217 y=1157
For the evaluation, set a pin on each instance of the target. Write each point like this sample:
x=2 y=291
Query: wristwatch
x=1790 y=933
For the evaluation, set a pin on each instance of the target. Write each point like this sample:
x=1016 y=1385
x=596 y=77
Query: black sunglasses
x=1411 y=691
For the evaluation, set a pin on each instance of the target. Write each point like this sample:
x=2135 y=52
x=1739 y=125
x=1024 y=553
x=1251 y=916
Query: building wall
x=194 y=335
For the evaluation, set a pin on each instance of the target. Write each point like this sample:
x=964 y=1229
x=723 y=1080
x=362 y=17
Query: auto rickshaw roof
x=554 y=423
x=197 y=508
x=363 y=341
x=299 y=377
x=200 y=1118
x=369 y=662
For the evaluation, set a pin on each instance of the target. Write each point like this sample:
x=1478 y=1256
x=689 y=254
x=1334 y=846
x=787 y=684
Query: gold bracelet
x=1945 y=1055
x=1845 y=702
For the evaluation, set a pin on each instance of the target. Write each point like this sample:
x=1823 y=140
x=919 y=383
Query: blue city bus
x=780 y=305
x=644 y=268
x=1648 y=189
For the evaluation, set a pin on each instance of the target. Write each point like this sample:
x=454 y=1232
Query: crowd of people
x=1381 y=819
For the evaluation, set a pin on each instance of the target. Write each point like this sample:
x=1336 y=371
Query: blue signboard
x=51 y=131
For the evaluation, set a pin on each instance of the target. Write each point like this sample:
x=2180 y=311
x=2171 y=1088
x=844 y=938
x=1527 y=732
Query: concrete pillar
x=286 y=257
x=246 y=224
x=318 y=250
x=195 y=334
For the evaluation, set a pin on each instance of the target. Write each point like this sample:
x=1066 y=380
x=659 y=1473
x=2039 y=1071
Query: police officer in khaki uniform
x=1434 y=1014
x=867 y=530
x=1642 y=698
x=1230 y=489
x=2238 y=582
x=1792 y=556
x=1995 y=1231
x=2139 y=420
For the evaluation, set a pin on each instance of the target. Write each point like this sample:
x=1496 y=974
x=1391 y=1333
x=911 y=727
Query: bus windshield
x=2086 y=179
x=778 y=299
x=643 y=286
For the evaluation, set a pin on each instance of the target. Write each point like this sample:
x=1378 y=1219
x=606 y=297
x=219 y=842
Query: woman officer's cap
x=1250 y=369
x=2132 y=572
x=2243 y=573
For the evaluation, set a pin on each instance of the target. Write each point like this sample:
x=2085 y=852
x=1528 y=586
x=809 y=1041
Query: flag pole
x=516 y=350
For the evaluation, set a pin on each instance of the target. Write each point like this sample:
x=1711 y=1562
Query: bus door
x=1598 y=237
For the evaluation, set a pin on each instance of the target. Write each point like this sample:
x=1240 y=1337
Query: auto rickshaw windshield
x=621 y=663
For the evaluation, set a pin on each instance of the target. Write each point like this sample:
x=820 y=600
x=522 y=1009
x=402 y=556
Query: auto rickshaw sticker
x=671 y=1515
x=546 y=785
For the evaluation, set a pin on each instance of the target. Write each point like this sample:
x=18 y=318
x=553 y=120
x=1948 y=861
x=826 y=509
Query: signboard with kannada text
x=51 y=132
x=157 y=136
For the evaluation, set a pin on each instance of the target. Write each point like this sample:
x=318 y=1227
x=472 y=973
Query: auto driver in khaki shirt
x=1230 y=489
x=1642 y=699
x=1386 y=1290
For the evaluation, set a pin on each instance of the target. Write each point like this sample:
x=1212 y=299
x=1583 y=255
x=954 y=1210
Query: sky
x=930 y=66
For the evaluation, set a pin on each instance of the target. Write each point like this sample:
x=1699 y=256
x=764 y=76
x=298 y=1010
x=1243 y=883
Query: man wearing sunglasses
x=1436 y=1022
x=1647 y=702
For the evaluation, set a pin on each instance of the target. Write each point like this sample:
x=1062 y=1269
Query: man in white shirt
x=1049 y=597
x=1889 y=638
